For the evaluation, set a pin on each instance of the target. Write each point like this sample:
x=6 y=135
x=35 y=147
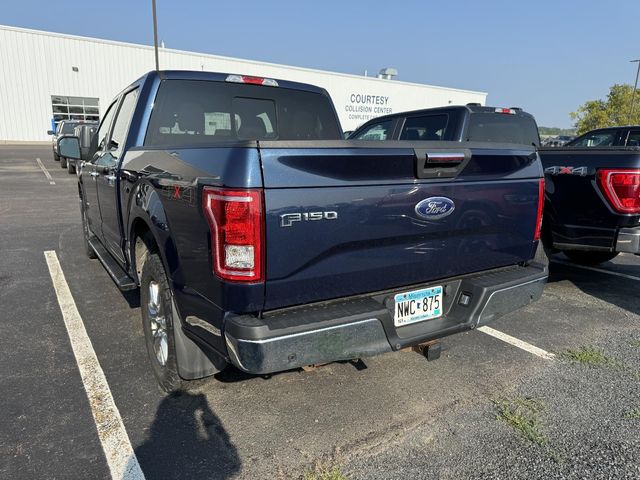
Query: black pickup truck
x=592 y=209
x=259 y=237
x=455 y=123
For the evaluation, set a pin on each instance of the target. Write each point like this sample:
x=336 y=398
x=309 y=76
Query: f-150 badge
x=288 y=219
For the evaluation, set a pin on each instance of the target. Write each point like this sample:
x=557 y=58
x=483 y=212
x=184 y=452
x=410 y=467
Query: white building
x=46 y=76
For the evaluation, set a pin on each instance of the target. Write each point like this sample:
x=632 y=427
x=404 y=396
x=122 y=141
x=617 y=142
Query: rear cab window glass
x=426 y=127
x=377 y=131
x=634 y=138
x=188 y=112
x=254 y=118
x=502 y=128
x=597 y=139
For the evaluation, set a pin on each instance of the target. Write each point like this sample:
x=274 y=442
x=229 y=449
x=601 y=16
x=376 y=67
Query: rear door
x=346 y=218
x=90 y=173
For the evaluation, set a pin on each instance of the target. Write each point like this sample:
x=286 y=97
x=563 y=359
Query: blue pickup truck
x=258 y=237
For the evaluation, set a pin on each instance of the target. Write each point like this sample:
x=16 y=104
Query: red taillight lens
x=536 y=235
x=236 y=222
x=622 y=189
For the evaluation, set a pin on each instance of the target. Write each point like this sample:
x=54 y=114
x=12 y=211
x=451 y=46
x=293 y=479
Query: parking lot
x=559 y=397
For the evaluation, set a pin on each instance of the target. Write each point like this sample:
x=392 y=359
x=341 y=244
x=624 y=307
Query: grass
x=633 y=414
x=324 y=472
x=523 y=415
x=635 y=343
x=588 y=355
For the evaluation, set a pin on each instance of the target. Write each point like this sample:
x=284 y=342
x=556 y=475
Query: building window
x=75 y=108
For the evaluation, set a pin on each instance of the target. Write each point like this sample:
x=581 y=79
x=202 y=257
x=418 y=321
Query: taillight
x=622 y=189
x=536 y=235
x=508 y=111
x=236 y=222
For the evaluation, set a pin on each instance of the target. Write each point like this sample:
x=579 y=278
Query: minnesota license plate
x=416 y=306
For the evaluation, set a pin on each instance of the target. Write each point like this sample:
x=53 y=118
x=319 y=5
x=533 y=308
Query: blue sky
x=545 y=56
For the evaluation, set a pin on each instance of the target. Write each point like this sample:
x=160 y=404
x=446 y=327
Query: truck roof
x=448 y=108
x=221 y=77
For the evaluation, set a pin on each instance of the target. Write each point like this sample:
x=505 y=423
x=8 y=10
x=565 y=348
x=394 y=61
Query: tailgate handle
x=434 y=163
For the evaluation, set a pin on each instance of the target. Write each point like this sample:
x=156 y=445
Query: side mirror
x=50 y=132
x=69 y=147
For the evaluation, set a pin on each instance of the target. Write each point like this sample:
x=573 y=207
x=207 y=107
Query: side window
x=121 y=124
x=597 y=139
x=103 y=130
x=377 y=131
x=634 y=138
x=428 y=127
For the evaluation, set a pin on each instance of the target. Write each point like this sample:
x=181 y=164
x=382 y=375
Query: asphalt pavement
x=485 y=409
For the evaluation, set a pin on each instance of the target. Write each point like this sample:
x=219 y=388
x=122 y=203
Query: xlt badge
x=288 y=219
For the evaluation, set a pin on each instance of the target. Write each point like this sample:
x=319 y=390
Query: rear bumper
x=628 y=240
x=363 y=326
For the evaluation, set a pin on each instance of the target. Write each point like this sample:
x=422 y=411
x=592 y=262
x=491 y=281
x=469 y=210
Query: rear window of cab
x=502 y=128
x=188 y=112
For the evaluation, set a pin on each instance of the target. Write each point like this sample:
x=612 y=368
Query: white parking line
x=46 y=172
x=116 y=445
x=595 y=269
x=527 y=347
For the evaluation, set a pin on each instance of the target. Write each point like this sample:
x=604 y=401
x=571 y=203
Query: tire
x=63 y=162
x=85 y=234
x=71 y=168
x=157 y=324
x=589 y=258
x=56 y=157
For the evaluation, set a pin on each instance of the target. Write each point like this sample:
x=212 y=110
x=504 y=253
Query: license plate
x=416 y=306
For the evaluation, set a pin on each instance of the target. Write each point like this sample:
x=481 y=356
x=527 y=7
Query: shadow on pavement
x=187 y=440
x=618 y=291
x=232 y=374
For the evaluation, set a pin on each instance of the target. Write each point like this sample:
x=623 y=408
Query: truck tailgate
x=577 y=209
x=341 y=217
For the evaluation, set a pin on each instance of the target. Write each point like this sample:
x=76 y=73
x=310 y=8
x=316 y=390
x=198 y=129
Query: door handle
x=94 y=174
x=111 y=178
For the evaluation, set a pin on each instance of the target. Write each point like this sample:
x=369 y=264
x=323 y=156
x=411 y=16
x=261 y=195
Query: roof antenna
x=155 y=33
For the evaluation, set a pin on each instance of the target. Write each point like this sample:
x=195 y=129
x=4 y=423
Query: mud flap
x=193 y=362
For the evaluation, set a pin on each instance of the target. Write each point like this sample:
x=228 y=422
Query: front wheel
x=63 y=162
x=56 y=157
x=158 y=323
x=589 y=258
x=71 y=168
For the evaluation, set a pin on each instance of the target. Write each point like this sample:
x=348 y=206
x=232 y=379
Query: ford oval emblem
x=435 y=208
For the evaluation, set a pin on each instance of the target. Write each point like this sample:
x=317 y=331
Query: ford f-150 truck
x=258 y=237
x=592 y=211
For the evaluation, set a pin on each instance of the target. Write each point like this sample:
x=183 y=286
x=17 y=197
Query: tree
x=612 y=111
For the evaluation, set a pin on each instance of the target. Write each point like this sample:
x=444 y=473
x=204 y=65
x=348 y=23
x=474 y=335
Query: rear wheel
x=63 y=162
x=589 y=258
x=56 y=157
x=71 y=168
x=85 y=233
x=158 y=323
